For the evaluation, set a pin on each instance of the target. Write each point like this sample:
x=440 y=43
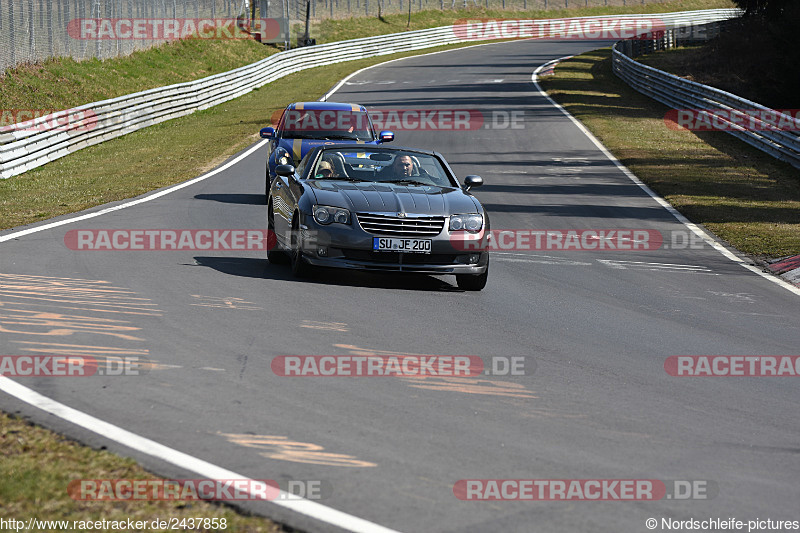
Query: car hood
x=390 y=198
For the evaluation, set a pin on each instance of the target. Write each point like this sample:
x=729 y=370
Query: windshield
x=327 y=124
x=382 y=166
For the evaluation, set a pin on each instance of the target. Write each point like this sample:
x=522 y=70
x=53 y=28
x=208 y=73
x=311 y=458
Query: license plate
x=392 y=244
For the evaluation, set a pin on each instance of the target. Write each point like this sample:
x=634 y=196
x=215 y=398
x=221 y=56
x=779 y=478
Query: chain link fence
x=34 y=30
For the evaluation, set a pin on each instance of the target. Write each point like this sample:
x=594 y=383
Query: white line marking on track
x=510 y=257
x=662 y=267
x=183 y=460
x=153 y=196
x=694 y=228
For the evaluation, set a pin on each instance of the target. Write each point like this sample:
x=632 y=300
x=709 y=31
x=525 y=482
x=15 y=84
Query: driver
x=401 y=167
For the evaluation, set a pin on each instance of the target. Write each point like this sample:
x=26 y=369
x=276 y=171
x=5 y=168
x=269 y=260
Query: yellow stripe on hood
x=297 y=149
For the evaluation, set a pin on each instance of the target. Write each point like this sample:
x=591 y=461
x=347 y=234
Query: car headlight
x=326 y=215
x=282 y=157
x=471 y=223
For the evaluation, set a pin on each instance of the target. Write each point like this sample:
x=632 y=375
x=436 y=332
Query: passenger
x=324 y=170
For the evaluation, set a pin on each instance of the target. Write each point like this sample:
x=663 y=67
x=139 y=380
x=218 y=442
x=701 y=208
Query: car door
x=287 y=193
x=282 y=209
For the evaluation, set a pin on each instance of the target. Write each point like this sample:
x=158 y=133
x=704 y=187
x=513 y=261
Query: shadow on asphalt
x=251 y=199
x=252 y=267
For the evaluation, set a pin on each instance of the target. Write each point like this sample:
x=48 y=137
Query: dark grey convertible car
x=378 y=208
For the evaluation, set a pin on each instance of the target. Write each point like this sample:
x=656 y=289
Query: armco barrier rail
x=37 y=143
x=725 y=109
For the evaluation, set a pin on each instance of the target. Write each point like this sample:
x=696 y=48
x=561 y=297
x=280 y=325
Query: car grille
x=390 y=226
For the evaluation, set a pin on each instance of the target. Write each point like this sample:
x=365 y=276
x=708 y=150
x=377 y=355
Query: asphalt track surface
x=594 y=327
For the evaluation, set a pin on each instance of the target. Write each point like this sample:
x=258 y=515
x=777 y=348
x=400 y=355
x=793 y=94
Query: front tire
x=274 y=254
x=472 y=282
x=300 y=268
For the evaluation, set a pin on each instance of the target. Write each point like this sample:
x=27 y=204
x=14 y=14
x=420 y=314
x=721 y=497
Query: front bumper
x=339 y=246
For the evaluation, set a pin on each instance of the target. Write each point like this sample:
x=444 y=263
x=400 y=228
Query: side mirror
x=267 y=133
x=386 y=136
x=472 y=181
x=284 y=170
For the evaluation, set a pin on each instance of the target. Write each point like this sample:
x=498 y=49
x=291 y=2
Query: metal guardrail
x=724 y=109
x=40 y=141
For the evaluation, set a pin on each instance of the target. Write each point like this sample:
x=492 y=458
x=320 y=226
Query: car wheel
x=274 y=254
x=472 y=282
x=300 y=268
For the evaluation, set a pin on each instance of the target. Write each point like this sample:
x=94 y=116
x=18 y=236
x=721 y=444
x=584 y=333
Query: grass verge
x=340 y=29
x=744 y=196
x=64 y=82
x=37 y=466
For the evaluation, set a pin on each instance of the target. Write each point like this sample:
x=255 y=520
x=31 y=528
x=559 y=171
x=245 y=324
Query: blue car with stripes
x=303 y=126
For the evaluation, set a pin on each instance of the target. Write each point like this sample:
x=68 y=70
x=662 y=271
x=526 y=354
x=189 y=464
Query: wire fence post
x=31 y=45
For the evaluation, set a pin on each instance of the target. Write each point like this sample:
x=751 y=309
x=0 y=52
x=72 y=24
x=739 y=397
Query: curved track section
x=594 y=328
